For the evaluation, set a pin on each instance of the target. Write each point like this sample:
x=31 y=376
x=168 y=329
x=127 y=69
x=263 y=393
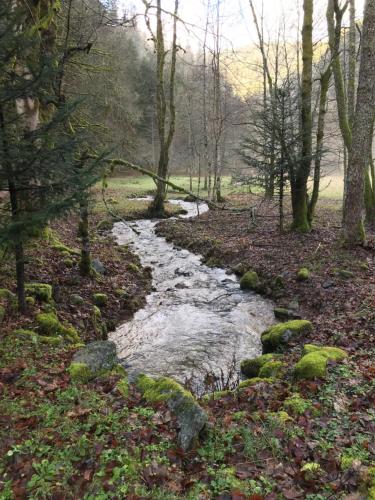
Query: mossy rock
x=255 y=380
x=49 y=325
x=303 y=274
x=296 y=404
x=76 y=299
x=332 y=353
x=284 y=314
x=279 y=335
x=69 y=262
x=93 y=360
x=30 y=301
x=190 y=416
x=240 y=269
x=41 y=291
x=100 y=299
x=272 y=369
x=250 y=281
x=251 y=367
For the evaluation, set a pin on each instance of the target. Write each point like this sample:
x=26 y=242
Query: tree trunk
x=156 y=208
x=353 y=227
x=300 y=219
x=324 y=86
x=83 y=232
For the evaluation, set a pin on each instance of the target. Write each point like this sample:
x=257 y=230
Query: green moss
x=311 y=365
x=251 y=367
x=80 y=372
x=282 y=313
x=49 y=325
x=41 y=291
x=303 y=274
x=280 y=334
x=76 y=299
x=332 y=353
x=123 y=387
x=7 y=295
x=60 y=247
x=249 y=281
x=30 y=334
x=2 y=313
x=162 y=389
x=97 y=312
x=254 y=381
x=297 y=405
x=133 y=267
x=345 y=274
x=69 y=262
x=281 y=416
x=272 y=369
x=30 y=301
x=100 y=299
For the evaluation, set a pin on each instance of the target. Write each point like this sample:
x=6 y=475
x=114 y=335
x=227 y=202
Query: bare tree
x=165 y=100
x=353 y=227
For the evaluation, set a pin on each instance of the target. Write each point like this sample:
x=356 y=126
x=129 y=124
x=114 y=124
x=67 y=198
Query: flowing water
x=196 y=320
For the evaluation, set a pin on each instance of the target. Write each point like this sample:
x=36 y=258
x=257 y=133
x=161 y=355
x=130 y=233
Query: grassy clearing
x=331 y=186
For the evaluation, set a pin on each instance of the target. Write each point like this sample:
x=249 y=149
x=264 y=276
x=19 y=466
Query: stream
x=197 y=319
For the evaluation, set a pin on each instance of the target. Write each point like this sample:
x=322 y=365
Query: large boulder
x=278 y=336
x=191 y=418
x=93 y=360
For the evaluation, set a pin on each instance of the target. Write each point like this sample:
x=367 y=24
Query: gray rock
x=76 y=299
x=191 y=419
x=328 y=284
x=98 y=356
x=98 y=266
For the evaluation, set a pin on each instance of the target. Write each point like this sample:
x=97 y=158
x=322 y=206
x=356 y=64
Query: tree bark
x=324 y=86
x=300 y=219
x=353 y=227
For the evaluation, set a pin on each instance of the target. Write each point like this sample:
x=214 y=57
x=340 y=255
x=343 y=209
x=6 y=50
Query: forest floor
x=60 y=439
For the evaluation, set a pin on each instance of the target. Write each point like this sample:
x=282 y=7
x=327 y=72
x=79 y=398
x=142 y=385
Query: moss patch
x=251 y=367
x=333 y=353
x=100 y=299
x=80 y=372
x=303 y=274
x=272 y=369
x=311 y=365
x=2 y=313
x=280 y=334
x=40 y=291
x=250 y=281
x=296 y=404
x=254 y=381
x=49 y=324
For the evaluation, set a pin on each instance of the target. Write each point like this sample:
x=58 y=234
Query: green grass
x=331 y=186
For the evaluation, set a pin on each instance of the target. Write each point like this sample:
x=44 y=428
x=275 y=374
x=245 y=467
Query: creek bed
x=197 y=319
